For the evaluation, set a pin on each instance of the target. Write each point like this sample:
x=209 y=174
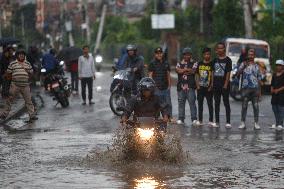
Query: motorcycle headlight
x=99 y=59
x=145 y=134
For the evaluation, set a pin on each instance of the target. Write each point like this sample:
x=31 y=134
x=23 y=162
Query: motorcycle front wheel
x=63 y=100
x=117 y=102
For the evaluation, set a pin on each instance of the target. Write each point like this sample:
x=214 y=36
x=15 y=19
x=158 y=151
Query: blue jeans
x=165 y=96
x=190 y=96
x=278 y=113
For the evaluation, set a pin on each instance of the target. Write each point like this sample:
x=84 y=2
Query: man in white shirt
x=86 y=69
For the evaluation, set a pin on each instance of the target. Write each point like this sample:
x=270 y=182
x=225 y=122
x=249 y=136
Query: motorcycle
x=120 y=91
x=57 y=85
x=145 y=137
x=236 y=85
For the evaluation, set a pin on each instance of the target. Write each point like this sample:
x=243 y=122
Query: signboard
x=163 y=21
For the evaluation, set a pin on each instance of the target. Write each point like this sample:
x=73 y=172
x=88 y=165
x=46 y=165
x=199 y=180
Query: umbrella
x=8 y=41
x=69 y=53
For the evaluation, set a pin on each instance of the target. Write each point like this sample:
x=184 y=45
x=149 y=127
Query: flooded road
x=53 y=152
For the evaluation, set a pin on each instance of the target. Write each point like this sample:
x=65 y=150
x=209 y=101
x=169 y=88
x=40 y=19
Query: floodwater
x=55 y=153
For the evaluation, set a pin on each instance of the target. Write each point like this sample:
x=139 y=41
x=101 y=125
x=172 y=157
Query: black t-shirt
x=160 y=71
x=205 y=71
x=278 y=82
x=185 y=80
x=221 y=68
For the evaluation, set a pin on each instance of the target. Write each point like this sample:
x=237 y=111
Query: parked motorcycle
x=120 y=91
x=57 y=85
x=236 y=85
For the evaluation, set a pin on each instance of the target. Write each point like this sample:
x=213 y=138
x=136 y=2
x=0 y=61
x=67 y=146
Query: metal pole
x=201 y=17
x=87 y=22
x=23 y=24
x=273 y=11
x=14 y=30
x=0 y=29
x=99 y=34
x=155 y=6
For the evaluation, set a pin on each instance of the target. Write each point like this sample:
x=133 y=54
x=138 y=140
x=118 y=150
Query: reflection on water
x=147 y=183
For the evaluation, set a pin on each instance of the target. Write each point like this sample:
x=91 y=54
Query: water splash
x=127 y=146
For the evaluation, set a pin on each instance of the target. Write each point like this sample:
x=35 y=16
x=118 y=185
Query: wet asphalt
x=50 y=153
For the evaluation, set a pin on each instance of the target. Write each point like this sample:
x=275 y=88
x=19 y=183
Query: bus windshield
x=236 y=48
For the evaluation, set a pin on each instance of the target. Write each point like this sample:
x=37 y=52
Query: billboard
x=163 y=21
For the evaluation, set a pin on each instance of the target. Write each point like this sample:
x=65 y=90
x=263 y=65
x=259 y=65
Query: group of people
x=208 y=78
x=197 y=80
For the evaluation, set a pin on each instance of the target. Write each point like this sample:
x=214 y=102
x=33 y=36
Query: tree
x=228 y=19
x=247 y=17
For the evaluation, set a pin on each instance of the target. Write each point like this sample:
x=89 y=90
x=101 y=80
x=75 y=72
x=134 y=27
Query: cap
x=280 y=62
x=158 y=49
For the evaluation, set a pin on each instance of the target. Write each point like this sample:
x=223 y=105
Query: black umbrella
x=70 y=53
x=8 y=41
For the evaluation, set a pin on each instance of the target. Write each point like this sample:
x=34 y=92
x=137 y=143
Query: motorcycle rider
x=146 y=103
x=136 y=64
x=50 y=63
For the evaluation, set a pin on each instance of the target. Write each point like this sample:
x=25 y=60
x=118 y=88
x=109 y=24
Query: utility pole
x=247 y=18
x=14 y=30
x=101 y=26
x=273 y=11
x=155 y=6
x=201 y=16
x=86 y=19
x=23 y=24
x=0 y=29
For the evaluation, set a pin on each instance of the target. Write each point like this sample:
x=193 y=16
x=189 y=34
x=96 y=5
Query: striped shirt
x=20 y=73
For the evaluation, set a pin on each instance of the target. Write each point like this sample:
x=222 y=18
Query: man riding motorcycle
x=146 y=103
x=136 y=64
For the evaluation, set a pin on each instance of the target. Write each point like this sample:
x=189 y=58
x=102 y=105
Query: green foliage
x=273 y=33
x=32 y=36
x=228 y=19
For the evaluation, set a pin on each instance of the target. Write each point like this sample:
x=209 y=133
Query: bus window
x=234 y=49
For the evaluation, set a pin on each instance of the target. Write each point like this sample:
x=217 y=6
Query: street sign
x=163 y=21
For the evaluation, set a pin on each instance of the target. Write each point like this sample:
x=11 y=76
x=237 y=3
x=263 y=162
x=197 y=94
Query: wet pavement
x=51 y=153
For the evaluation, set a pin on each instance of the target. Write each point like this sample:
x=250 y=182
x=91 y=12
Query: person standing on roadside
x=159 y=71
x=221 y=83
x=6 y=59
x=277 y=91
x=204 y=84
x=86 y=70
x=20 y=71
x=74 y=76
x=186 y=86
x=250 y=87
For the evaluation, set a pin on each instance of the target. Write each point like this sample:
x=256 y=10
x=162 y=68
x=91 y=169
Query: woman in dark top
x=277 y=91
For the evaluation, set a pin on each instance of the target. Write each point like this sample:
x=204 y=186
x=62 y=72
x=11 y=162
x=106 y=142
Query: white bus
x=234 y=47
